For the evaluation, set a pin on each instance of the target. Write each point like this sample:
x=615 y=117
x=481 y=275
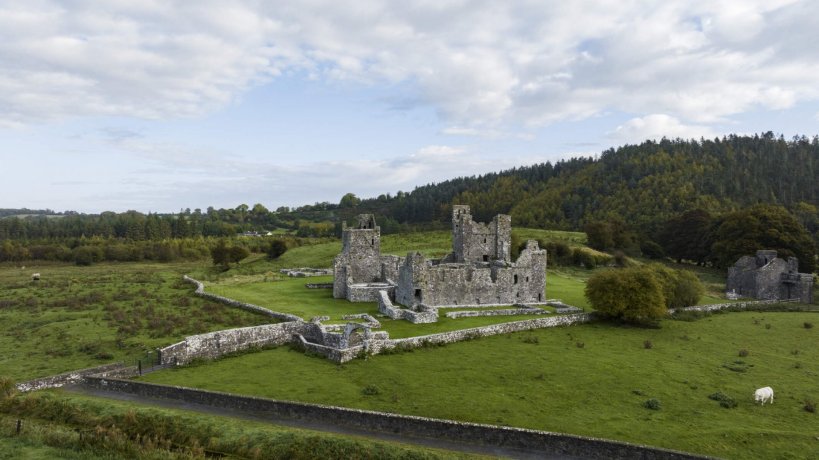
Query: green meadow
x=78 y=317
x=591 y=379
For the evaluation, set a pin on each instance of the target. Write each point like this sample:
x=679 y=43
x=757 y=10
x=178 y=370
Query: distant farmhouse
x=768 y=277
x=478 y=271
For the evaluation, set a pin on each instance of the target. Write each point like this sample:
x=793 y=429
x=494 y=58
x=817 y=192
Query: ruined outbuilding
x=478 y=271
x=768 y=277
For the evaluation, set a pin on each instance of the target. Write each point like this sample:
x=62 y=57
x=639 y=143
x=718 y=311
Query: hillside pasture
x=592 y=379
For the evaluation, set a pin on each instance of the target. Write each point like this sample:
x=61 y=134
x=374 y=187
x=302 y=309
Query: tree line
x=641 y=186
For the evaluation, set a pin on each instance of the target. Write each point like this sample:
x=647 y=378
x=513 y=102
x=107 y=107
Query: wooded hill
x=645 y=184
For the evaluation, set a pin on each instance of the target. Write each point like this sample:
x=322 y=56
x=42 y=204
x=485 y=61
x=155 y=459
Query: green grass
x=596 y=390
x=77 y=317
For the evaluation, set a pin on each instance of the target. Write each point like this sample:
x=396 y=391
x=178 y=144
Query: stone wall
x=386 y=307
x=67 y=378
x=214 y=344
x=542 y=443
x=503 y=312
x=379 y=344
x=734 y=305
x=200 y=291
x=367 y=292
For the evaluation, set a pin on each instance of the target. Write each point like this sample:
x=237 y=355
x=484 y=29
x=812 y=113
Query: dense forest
x=642 y=186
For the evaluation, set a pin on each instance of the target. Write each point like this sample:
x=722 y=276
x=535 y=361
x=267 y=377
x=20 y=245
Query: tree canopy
x=763 y=227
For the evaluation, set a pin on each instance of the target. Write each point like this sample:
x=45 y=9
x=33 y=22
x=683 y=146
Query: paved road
x=325 y=427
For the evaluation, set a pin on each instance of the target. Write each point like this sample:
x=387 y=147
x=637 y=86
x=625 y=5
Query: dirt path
x=324 y=427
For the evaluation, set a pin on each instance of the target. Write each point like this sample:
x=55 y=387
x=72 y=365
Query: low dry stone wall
x=67 y=378
x=200 y=291
x=214 y=344
x=319 y=285
x=379 y=344
x=504 y=312
x=737 y=305
x=541 y=442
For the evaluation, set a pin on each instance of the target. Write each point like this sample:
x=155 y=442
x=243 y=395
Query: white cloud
x=483 y=65
x=438 y=151
x=657 y=126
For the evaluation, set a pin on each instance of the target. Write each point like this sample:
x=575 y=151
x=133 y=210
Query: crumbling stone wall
x=504 y=312
x=214 y=344
x=422 y=316
x=68 y=378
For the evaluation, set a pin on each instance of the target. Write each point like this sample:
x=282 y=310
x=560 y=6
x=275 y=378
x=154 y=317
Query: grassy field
x=590 y=379
x=77 y=317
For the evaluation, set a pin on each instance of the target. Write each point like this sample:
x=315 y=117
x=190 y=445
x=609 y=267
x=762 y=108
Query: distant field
x=77 y=317
x=544 y=380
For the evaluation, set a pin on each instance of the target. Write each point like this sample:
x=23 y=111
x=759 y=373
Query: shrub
x=7 y=387
x=768 y=326
x=810 y=406
x=652 y=250
x=531 y=339
x=370 y=390
x=580 y=345
x=743 y=353
x=648 y=345
x=631 y=294
x=724 y=400
x=276 y=249
x=653 y=404
x=808 y=325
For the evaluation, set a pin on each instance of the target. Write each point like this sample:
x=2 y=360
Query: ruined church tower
x=479 y=242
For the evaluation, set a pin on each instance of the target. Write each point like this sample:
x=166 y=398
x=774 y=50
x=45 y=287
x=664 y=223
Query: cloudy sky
x=157 y=105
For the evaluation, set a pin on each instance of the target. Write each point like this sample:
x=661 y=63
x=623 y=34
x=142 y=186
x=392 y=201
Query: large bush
x=631 y=294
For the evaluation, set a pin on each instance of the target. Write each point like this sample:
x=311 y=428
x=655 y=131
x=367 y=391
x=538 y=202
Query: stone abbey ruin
x=478 y=272
x=768 y=277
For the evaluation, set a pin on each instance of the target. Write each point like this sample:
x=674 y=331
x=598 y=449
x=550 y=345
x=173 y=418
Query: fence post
x=19 y=425
x=139 y=366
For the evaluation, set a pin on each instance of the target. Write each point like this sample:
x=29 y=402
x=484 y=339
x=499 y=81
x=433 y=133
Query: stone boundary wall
x=200 y=291
x=541 y=442
x=378 y=345
x=319 y=285
x=214 y=344
x=493 y=329
x=303 y=272
x=740 y=305
x=66 y=378
x=505 y=312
